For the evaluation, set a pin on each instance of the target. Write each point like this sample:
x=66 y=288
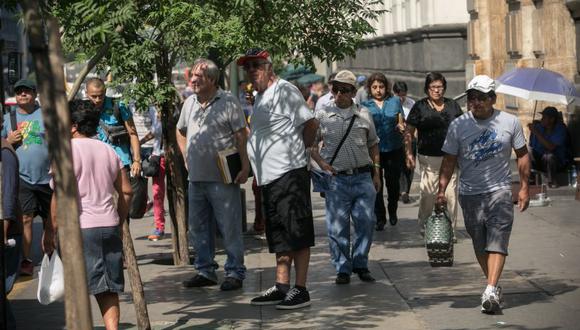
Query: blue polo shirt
x=108 y=117
x=386 y=120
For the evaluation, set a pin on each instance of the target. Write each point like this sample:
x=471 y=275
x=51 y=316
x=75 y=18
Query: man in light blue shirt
x=24 y=130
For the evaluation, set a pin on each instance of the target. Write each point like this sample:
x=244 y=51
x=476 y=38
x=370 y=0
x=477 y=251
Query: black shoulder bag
x=116 y=134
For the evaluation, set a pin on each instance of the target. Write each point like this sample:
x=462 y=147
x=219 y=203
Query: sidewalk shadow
x=357 y=305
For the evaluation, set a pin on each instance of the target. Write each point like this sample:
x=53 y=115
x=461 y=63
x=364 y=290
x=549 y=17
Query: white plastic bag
x=50 y=280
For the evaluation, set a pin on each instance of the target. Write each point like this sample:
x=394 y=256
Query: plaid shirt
x=354 y=152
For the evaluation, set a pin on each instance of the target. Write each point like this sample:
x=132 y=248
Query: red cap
x=254 y=53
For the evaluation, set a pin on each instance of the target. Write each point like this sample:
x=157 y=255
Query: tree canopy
x=139 y=39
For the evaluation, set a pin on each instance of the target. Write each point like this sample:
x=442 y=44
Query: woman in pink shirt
x=100 y=180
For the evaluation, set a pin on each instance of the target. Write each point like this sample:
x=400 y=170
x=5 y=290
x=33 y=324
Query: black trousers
x=391 y=168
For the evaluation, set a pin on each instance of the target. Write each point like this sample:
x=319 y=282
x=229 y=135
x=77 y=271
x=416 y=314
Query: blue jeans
x=212 y=203
x=350 y=196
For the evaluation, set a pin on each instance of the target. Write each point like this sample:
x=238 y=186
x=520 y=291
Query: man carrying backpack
x=116 y=126
x=24 y=131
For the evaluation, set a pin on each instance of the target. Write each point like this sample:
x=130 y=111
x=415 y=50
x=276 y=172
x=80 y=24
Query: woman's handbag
x=138 y=205
x=150 y=166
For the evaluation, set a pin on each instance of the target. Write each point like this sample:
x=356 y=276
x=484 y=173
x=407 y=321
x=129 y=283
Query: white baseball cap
x=481 y=83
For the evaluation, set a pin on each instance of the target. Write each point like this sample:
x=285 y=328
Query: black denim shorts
x=287 y=209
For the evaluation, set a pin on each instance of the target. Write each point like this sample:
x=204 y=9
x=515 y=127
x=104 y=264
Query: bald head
x=95 y=89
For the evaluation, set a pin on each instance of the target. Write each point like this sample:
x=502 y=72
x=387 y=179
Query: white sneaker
x=489 y=302
x=499 y=294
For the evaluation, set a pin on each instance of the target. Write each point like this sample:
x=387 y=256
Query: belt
x=355 y=171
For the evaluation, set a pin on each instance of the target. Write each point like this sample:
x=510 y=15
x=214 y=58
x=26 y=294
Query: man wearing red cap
x=282 y=127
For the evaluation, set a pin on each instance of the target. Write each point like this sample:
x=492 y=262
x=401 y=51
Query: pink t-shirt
x=96 y=167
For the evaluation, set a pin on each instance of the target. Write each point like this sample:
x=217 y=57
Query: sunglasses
x=23 y=89
x=253 y=65
x=477 y=96
x=341 y=89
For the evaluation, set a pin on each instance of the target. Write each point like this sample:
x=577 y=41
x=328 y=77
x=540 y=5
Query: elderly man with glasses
x=211 y=121
x=480 y=142
x=350 y=154
x=282 y=127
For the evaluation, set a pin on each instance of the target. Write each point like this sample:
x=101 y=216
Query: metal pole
x=536 y=102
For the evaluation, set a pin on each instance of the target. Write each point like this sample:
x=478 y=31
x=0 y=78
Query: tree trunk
x=175 y=170
x=3 y=324
x=48 y=65
x=177 y=197
x=135 y=279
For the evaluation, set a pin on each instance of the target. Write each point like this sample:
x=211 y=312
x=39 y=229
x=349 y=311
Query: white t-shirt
x=407 y=106
x=325 y=100
x=143 y=122
x=276 y=144
x=484 y=148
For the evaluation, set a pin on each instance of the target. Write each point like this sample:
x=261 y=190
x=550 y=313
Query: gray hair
x=210 y=69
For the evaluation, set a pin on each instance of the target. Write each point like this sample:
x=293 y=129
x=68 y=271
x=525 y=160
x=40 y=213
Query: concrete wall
x=416 y=37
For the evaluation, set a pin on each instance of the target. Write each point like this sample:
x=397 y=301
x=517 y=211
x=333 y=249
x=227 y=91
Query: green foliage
x=157 y=34
x=302 y=29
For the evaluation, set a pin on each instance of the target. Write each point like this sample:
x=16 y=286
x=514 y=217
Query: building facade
x=413 y=38
x=506 y=34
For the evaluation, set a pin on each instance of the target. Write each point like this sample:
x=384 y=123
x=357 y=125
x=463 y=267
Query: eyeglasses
x=436 y=88
x=253 y=65
x=341 y=89
x=477 y=96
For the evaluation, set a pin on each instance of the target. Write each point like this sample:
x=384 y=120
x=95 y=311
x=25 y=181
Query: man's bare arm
x=135 y=147
x=408 y=140
x=523 y=160
x=309 y=133
x=446 y=171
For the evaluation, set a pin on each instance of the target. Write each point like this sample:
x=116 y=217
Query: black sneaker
x=380 y=226
x=231 y=283
x=272 y=296
x=198 y=281
x=342 y=278
x=393 y=220
x=364 y=274
x=295 y=298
